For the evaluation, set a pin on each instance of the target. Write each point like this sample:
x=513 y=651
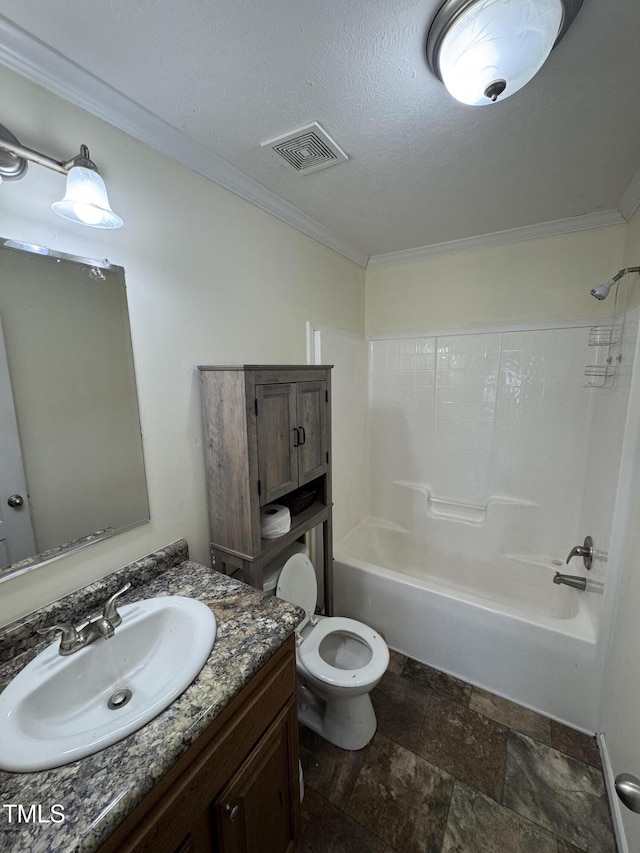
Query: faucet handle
x=110 y=611
x=585 y=551
x=69 y=636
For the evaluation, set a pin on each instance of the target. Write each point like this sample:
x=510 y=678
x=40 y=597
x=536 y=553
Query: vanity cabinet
x=236 y=788
x=267 y=432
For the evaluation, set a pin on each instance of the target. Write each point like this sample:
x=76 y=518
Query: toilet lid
x=297 y=583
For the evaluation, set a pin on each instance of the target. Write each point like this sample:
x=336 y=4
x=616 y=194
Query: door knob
x=15 y=501
x=628 y=789
x=232 y=812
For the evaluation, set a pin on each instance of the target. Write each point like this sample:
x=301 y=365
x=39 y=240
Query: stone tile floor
x=453 y=769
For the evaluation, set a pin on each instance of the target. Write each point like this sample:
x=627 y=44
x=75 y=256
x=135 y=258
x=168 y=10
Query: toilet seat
x=297 y=584
x=310 y=658
x=333 y=698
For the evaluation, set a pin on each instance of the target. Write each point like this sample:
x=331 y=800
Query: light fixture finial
x=486 y=50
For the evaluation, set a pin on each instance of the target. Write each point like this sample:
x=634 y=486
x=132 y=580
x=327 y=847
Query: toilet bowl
x=339 y=660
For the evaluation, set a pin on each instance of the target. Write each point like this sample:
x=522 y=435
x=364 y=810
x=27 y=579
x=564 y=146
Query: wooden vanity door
x=200 y=839
x=256 y=812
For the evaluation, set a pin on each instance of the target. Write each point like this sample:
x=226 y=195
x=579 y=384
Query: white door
x=621 y=697
x=16 y=531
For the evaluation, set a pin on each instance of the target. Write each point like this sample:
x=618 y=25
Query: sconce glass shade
x=86 y=200
x=494 y=47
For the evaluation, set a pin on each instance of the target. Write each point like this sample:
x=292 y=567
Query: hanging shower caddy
x=608 y=339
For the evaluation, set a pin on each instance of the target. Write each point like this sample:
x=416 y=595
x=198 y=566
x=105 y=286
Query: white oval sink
x=56 y=709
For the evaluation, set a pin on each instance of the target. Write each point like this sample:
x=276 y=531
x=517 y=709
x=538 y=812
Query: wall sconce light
x=485 y=50
x=85 y=200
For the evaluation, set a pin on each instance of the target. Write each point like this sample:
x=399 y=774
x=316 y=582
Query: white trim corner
x=614 y=802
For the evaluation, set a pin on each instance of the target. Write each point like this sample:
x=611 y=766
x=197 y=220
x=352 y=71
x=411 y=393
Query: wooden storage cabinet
x=292 y=433
x=267 y=432
x=236 y=788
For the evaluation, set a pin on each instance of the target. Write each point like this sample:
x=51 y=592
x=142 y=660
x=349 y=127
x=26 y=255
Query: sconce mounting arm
x=13 y=167
x=85 y=202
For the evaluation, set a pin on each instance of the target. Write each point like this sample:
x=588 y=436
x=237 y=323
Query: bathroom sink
x=59 y=709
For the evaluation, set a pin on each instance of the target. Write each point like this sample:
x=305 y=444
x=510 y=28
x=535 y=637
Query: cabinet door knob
x=304 y=435
x=232 y=812
x=297 y=441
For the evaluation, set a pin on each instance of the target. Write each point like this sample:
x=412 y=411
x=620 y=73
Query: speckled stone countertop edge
x=99 y=791
x=21 y=635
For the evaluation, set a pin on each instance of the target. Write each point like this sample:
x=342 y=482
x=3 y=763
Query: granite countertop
x=99 y=791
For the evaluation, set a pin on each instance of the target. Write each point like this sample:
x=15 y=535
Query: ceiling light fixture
x=486 y=50
x=85 y=200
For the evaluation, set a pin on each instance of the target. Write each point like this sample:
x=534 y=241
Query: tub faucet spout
x=571 y=580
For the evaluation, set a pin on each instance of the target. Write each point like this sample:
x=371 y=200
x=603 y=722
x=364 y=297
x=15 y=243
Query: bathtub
x=502 y=625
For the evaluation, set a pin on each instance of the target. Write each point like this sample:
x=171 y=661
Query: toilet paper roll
x=275 y=520
x=276 y=530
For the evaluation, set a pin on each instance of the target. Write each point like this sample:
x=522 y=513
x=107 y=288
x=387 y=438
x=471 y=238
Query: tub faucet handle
x=585 y=551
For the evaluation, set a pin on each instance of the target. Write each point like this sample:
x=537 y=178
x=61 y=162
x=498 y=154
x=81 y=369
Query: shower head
x=602 y=290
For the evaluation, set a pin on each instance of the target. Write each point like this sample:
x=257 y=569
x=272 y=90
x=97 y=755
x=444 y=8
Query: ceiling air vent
x=307 y=149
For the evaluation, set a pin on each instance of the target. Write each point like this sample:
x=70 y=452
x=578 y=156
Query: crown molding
x=37 y=61
x=498 y=238
x=630 y=201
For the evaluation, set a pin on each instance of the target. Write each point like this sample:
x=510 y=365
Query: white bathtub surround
x=471 y=532
x=488 y=460
x=503 y=625
x=480 y=415
x=519 y=584
x=348 y=351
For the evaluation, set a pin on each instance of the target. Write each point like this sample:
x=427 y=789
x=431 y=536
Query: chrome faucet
x=73 y=639
x=571 y=580
x=585 y=551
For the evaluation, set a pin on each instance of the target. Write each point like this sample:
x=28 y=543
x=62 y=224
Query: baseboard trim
x=614 y=802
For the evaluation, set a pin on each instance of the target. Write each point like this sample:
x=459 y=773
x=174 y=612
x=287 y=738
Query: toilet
x=339 y=660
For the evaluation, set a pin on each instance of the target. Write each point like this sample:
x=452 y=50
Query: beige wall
x=536 y=280
x=210 y=279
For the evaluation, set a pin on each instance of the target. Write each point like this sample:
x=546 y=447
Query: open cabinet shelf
x=267 y=434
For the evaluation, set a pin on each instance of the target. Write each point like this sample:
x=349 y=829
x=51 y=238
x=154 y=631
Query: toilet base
x=347 y=723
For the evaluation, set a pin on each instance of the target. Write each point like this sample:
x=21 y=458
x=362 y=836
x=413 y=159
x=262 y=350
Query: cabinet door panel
x=277 y=455
x=200 y=839
x=312 y=417
x=257 y=811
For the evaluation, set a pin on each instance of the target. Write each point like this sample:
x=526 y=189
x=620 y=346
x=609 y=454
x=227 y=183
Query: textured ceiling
x=423 y=169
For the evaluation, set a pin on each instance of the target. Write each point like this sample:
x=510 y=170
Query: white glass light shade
x=86 y=200
x=497 y=40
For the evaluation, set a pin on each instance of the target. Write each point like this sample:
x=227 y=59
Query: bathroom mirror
x=71 y=462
